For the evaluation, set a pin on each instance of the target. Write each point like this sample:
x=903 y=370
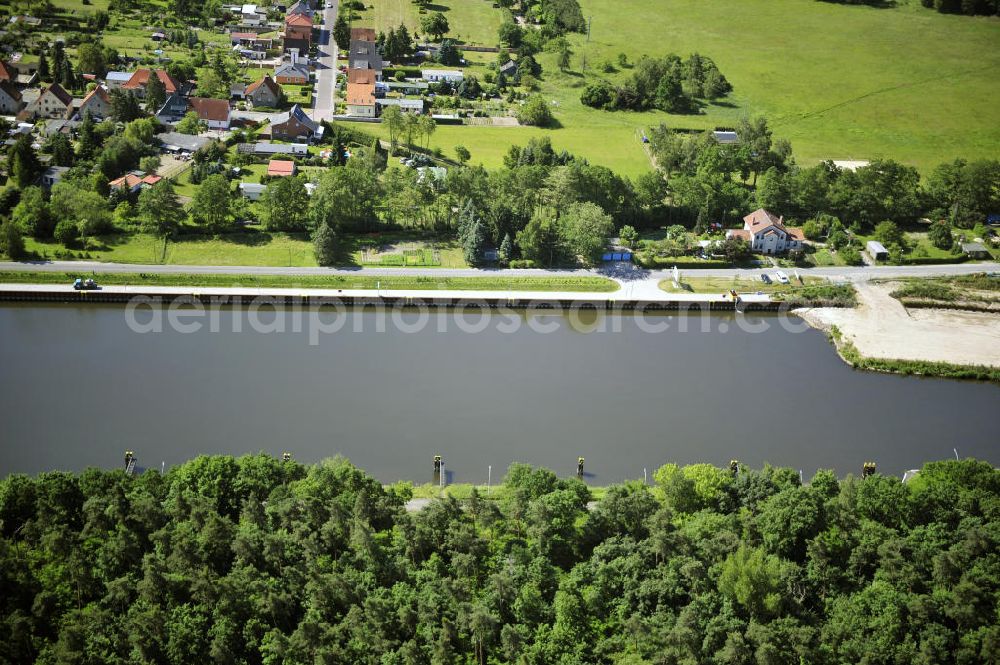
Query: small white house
x=438 y=75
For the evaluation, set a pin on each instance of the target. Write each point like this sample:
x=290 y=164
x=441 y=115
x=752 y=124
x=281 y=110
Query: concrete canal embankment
x=384 y=298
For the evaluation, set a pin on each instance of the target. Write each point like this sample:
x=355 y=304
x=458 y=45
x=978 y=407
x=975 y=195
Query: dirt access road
x=880 y=327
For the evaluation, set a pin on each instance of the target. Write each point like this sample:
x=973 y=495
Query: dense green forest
x=255 y=560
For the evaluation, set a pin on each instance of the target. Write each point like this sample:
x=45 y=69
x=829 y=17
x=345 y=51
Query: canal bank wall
x=218 y=296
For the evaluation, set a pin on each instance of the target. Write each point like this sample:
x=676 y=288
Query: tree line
x=711 y=181
x=259 y=561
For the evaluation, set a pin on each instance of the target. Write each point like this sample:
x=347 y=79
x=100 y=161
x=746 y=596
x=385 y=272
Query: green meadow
x=838 y=81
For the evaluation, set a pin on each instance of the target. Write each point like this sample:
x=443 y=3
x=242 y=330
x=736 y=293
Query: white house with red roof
x=767 y=234
x=134 y=181
x=140 y=78
x=97 y=102
x=213 y=112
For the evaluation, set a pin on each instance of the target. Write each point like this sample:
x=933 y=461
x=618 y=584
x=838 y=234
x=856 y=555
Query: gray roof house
x=975 y=250
x=725 y=137
x=264 y=148
x=175 y=142
x=365 y=55
x=252 y=190
x=117 y=79
x=52 y=175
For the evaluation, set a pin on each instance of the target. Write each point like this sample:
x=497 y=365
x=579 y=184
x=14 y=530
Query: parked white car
x=782 y=277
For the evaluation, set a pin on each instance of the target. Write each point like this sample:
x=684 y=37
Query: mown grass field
x=471 y=21
x=839 y=81
x=253 y=248
x=429 y=283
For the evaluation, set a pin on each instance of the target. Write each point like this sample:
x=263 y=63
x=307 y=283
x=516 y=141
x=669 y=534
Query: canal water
x=80 y=385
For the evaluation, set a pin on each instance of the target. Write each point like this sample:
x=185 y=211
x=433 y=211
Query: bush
x=523 y=263
x=598 y=95
x=535 y=112
x=66 y=232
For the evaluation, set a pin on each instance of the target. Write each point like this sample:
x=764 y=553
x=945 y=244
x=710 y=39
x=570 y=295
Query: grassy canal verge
x=811 y=291
x=855 y=359
x=394 y=282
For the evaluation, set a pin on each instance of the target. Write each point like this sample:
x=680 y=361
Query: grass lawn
x=293 y=93
x=742 y=285
x=577 y=284
x=252 y=248
x=839 y=81
x=471 y=21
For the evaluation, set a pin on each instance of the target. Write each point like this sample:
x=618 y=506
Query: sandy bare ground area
x=880 y=327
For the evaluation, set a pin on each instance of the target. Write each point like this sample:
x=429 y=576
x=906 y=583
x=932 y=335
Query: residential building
x=439 y=75
x=10 y=98
x=237 y=91
x=251 y=16
x=60 y=126
x=52 y=102
x=361 y=100
x=365 y=55
x=295 y=125
x=173 y=109
x=976 y=250
x=115 y=80
x=298 y=29
x=281 y=168
x=301 y=8
x=252 y=191
x=134 y=181
x=52 y=175
x=724 y=137
x=97 y=102
x=251 y=40
x=363 y=35
x=265 y=148
x=264 y=92
x=140 y=78
x=7 y=74
x=175 y=142
x=213 y=112
x=415 y=106
x=767 y=234
x=292 y=72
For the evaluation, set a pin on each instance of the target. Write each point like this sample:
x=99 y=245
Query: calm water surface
x=78 y=387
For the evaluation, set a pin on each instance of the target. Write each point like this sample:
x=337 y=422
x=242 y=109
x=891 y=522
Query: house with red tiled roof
x=364 y=76
x=298 y=32
x=97 y=102
x=264 y=92
x=10 y=98
x=134 y=181
x=140 y=78
x=52 y=102
x=281 y=168
x=213 y=112
x=6 y=74
x=361 y=100
x=767 y=233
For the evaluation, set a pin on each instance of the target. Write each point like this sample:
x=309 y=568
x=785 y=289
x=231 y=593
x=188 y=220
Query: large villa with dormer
x=767 y=234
